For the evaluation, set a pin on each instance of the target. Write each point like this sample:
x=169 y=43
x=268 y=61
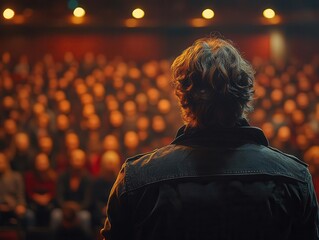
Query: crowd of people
x=67 y=126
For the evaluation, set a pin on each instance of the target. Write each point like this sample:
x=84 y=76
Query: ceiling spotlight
x=79 y=12
x=269 y=13
x=208 y=13
x=8 y=13
x=138 y=13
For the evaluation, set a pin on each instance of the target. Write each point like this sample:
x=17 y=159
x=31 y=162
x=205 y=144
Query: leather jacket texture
x=216 y=183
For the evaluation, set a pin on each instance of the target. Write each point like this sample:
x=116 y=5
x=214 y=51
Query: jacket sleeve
x=308 y=227
x=117 y=224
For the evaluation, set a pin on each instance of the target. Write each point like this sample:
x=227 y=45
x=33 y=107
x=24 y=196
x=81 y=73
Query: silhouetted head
x=213 y=82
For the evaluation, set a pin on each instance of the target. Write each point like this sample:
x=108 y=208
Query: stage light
x=208 y=13
x=8 y=13
x=79 y=12
x=138 y=13
x=269 y=13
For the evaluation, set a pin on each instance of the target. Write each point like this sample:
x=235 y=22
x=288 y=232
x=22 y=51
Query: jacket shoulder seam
x=289 y=156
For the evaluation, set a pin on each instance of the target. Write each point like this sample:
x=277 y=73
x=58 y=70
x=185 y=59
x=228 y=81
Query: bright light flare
x=138 y=13
x=208 y=13
x=8 y=13
x=269 y=13
x=79 y=12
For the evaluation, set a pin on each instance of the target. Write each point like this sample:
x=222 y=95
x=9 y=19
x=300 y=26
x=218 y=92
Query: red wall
x=139 y=46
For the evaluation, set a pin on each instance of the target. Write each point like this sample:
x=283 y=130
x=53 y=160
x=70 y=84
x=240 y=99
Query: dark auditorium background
x=86 y=84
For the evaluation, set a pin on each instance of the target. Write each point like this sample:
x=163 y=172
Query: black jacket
x=213 y=184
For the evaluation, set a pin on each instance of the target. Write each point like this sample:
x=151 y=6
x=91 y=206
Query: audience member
x=40 y=188
x=74 y=186
x=12 y=199
x=70 y=227
x=109 y=168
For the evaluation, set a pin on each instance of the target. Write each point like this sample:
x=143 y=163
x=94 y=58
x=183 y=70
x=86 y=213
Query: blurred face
x=284 y=134
x=42 y=162
x=143 y=123
x=290 y=90
x=116 y=118
x=93 y=122
x=110 y=142
x=43 y=120
x=153 y=95
x=98 y=91
x=131 y=140
x=10 y=126
x=158 y=124
x=72 y=141
x=162 y=82
x=129 y=108
x=134 y=73
x=164 y=106
x=86 y=98
x=43 y=99
x=8 y=102
x=59 y=96
x=77 y=159
x=129 y=89
x=46 y=144
x=302 y=100
x=302 y=141
x=64 y=106
x=88 y=110
x=298 y=117
x=276 y=96
x=150 y=69
x=90 y=80
x=111 y=103
x=7 y=83
x=268 y=129
x=62 y=122
x=81 y=89
x=118 y=82
x=289 y=106
x=259 y=115
x=22 y=141
x=110 y=163
x=38 y=109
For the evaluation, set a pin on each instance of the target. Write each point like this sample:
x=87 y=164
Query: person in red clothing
x=40 y=188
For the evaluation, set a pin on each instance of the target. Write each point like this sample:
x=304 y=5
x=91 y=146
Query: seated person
x=74 y=186
x=40 y=188
x=70 y=227
x=109 y=168
x=12 y=200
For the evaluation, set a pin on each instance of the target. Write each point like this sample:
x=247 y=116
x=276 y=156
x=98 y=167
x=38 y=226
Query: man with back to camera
x=219 y=179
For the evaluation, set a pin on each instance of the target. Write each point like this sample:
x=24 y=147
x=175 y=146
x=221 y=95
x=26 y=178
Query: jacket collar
x=240 y=134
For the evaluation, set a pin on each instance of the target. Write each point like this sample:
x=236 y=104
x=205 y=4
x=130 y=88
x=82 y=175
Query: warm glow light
x=208 y=13
x=131 y=22
x=8 y=13
x=198 y=22
x=138 y=13
x=79 y=12
x=269 y=13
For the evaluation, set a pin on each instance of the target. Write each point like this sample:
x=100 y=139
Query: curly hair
x=213 y=83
